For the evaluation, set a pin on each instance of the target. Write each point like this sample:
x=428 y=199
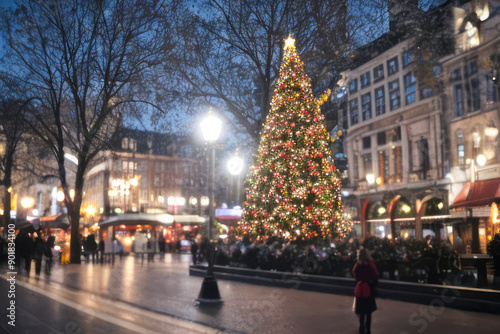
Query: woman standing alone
x=366 y=275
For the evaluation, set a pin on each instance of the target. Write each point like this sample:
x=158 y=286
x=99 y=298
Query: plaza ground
x=159 y=297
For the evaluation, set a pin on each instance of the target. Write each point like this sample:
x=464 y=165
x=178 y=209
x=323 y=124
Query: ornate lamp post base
x=209 y=293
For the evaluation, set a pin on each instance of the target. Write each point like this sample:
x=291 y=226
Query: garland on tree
x=293 y=189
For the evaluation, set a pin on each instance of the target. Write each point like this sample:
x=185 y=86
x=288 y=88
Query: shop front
x=405 y=214
x=478 y=201
x=140 y=233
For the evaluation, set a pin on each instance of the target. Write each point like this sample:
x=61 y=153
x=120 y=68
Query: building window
x=365 y=80
x=423 y=156
x=491 y=89
x=408 y=58
x=353 y=86
x=381 y=138
x=397 y=159
x=129 y=144
x=461 y=155
x=410 y=87
x=367 y=142
x=366 y=106
x=473 y=98
x=458 y=100
x=132 y=145
x=456 y=74
x=379 y=101
x=460 y=148
x=383 y=166
x=378 y=73
x=353 y=106
x=392 y=66
x=470 y=68
x=394 y=94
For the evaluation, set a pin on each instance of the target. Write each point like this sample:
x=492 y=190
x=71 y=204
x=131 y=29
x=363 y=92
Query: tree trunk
x=6 y=207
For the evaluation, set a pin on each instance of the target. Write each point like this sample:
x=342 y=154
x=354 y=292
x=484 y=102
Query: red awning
x=479 y=193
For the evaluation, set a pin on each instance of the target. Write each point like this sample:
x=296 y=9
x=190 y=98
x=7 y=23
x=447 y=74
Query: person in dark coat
x=38 y=251
x=194 y=251
x=24 y=250
x=162 y=246
x=366 y=275
x=49 y=245
x=101 y=249
x=90 y=247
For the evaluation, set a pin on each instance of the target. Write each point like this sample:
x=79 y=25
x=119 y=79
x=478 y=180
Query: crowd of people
x=33 y=247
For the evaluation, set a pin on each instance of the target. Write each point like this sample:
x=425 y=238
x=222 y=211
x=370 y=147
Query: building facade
x=394 y=143
x=139 y=176
x=411 y=147
x=471 y=110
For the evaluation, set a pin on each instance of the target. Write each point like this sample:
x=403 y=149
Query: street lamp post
x=210 y=128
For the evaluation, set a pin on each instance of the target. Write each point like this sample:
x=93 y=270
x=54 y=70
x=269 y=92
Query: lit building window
x=383 y=166
x=460 y=148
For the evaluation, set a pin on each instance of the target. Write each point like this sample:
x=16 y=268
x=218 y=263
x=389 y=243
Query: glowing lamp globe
x=235 y=165
x=481 y=160
x=211 y=127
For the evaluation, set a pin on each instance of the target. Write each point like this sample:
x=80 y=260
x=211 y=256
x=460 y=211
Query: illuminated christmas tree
x=293 y=189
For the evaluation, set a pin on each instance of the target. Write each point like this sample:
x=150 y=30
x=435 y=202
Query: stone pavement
x=165 y=288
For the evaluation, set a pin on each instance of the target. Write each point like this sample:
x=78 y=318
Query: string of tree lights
x=293 y=189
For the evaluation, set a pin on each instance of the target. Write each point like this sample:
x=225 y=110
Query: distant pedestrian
x=38 y=251
x=90 y=248
x=204 y=250
x=162 y=246
x=85 y=251
x=366 y=275
x=118 y=248
x=49 y=245
x=101 y=249
x=24 y=250
x=194 y=251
